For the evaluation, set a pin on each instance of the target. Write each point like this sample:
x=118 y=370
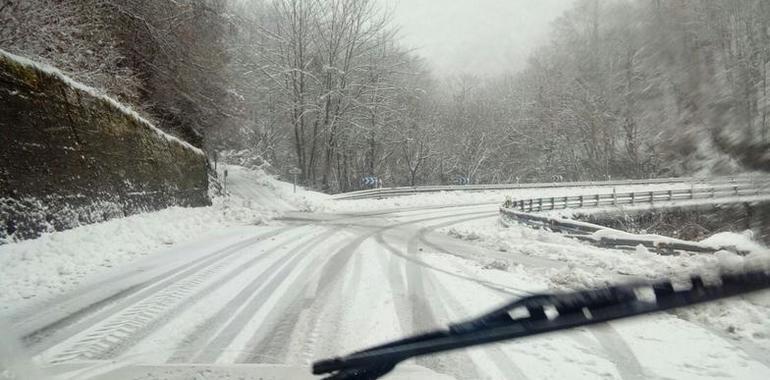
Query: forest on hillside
x=624 y=89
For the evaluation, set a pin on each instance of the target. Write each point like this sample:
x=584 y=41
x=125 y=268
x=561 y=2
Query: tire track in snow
x=618 y=352
x=500 y=360
x=271 y=338
x=118 y=332
x=265 y=286
x=274 y=347
x=752 y=350
x=520 y=259
x=420 y=315
x=86 y=317
x=325 y=303
x=398 y=287
x=330 y=276
x=616 y=348
x=420 y=210
x=451 y=307
x=197 y=342
x=494 y=286
x=613 y=344
x=298 y=325
x=423 y=238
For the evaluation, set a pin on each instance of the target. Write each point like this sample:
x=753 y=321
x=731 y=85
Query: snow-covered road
x=250 y=299
x=318 y=285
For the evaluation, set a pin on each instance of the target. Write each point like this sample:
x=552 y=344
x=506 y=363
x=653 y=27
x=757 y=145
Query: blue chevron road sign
x=461 y=180
x=369 y=181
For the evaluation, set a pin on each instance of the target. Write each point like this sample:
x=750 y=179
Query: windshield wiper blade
x=544 y=313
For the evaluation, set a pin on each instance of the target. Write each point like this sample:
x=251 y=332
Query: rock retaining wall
x=70 y=156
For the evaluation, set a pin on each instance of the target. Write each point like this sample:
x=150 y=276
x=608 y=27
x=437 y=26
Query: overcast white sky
x=479 y=36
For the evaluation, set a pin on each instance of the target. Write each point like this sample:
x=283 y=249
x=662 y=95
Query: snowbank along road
x=314 y=285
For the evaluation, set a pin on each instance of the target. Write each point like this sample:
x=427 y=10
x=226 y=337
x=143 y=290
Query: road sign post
x=295 y=172
x=225 y=184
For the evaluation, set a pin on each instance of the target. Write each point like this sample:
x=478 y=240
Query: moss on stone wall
x=70 y=157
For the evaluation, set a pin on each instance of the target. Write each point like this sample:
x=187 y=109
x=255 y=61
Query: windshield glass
x=214 y=188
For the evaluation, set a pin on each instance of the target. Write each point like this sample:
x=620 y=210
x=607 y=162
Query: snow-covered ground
x=253 y=188
x=228 y=286
x=56 y=262
x=457 y=198
x=589 y=266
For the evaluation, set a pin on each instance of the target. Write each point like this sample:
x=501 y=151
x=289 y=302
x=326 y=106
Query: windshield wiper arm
x=544 y=313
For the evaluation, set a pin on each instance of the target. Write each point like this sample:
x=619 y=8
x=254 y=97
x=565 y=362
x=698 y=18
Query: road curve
x=315 y=286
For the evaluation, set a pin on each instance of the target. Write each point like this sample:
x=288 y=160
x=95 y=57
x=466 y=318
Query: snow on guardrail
x=389 y=192
x=523 y=212
x=608 y=237
x=722 y=193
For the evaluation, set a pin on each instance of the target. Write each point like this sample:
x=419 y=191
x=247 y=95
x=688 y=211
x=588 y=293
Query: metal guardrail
x=521 y=212
x=389 y=192
x=736 y=191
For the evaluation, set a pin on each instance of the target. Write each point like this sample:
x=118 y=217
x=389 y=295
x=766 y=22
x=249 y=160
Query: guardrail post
x=713 y=192
x=530 y=205
x=540 y=204
x=597 y=200
x=735 y=188
x=692 y=191
x=553 y=204
x=652 y=197
x=670 y=195
x=224 y=186
x=614 y=196
x=566 y=202
x=581 y=201
x=633 y=197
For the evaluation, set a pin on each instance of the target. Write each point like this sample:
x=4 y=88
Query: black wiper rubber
x=544 y=313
